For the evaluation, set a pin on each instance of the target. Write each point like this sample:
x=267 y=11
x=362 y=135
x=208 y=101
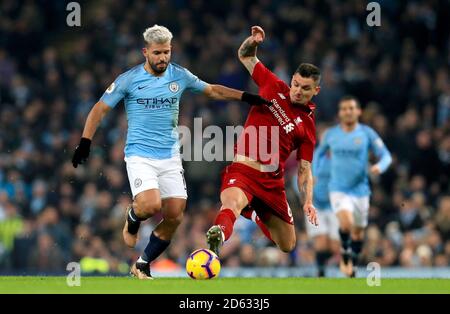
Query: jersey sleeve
x=263 y=76
x=116 y=91
x=306 y=149
x=193 y=83
x=376 y=144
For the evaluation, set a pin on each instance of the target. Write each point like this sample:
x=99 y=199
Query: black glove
x=81 y=152
x=253 y=99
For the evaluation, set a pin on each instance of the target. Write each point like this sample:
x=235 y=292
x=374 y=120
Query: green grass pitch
x=219 y=286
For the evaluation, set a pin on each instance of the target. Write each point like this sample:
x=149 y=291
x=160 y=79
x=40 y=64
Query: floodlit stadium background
x=52 y=74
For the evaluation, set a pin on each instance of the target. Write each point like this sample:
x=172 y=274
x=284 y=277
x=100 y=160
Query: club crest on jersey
x=281 y=96
x=174 y=87
x=111 y=88
x=357 y=141
x=379 y=142
x=297 y=120
x=288 y=127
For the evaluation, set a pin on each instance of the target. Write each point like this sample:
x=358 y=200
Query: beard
x=157 y=69
x=300 y=102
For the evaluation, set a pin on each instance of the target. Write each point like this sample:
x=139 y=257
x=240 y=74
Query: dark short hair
x=350 y=97
x=309 y=70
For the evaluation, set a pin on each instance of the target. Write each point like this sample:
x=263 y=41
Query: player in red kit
x=253 y=185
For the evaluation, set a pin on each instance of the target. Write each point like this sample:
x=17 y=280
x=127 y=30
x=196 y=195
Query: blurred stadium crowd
x=52 y=74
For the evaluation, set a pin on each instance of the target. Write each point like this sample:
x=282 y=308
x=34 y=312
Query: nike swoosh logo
x=141 y=87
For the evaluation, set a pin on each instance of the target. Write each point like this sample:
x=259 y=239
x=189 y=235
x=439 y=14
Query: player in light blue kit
x=326 y=235
x=349 y=143
x=151 y=93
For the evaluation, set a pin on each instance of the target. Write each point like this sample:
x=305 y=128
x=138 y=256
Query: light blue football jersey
x=350 y=158
x=152 y=107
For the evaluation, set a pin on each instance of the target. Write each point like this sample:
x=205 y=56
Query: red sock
x=225 y=219
x=263 y=228
x=251 y=215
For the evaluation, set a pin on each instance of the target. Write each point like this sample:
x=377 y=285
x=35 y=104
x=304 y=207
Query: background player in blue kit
x=325 y=236
x=151 y=92
x=349 y=143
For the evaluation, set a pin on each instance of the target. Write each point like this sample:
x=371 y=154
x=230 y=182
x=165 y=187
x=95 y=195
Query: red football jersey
x=271 y=133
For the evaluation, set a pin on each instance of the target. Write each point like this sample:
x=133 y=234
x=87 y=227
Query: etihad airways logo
x=157 y=101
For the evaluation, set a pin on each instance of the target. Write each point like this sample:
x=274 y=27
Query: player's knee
x=345 y=228
x=147 y=208
x=357 y=234
x=287 y=246
x=320 y=242
x=233 y=199
x=232 y=203
x=345 y=224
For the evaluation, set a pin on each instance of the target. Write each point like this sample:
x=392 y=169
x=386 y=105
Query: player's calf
x=168 y=226
x=233 y=201
x=282 y=233
x=145 y=205
x=173 y=213
x=131 y=227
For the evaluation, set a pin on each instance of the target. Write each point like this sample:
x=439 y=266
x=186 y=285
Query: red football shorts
x=264 y=190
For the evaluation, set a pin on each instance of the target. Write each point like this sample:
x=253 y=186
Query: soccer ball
x=203 y=264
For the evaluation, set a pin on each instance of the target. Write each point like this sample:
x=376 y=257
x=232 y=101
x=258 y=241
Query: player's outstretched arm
x=247 y=50
x=305 y=185
x=94 y=118
x=220 y=92
x=381 y=152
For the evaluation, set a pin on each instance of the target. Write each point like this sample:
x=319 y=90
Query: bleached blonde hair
x=157 y=34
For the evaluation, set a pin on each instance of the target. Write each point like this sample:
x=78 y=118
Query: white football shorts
x=328 y=225
x=359 y=206
x=167 y=175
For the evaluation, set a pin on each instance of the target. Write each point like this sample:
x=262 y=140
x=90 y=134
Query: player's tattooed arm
x=247 y=54
x=248 y=48
x=305 y=179
x=247 y=51
x=305 y=185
